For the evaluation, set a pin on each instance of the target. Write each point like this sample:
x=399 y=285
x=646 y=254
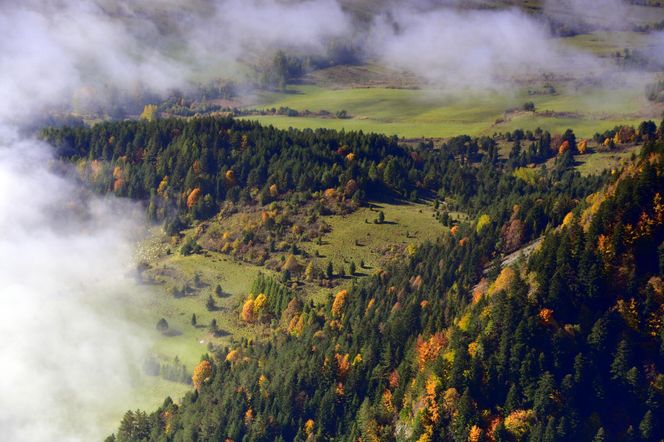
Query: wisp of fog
x=64 y=257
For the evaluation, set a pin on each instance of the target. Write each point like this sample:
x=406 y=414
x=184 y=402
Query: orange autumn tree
x=428 y=350
x=193 y=197
x=202 y=373
x=247 y=313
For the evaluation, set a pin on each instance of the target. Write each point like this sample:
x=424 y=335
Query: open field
x=597 y=162
x=413 y=113
x=356 y=238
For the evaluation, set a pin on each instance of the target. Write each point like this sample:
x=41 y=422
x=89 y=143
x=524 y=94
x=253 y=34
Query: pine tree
x=646 y=426
x=193 y=319
x=600 y=436
x=210 y=304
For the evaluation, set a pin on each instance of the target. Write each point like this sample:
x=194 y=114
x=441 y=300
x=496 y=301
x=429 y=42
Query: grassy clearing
x=171 y=272
x=353 y=240
x=412 y=113
x=597 y=162
x=154 y=300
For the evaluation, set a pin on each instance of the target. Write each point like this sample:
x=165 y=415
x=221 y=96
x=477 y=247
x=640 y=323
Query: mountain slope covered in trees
x=566 y=346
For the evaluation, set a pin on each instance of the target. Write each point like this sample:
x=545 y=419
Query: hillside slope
x=568 y=346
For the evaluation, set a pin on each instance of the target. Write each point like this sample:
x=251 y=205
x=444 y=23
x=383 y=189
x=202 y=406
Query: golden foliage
x=503 y=281
x=480 y=290
x=411 y=249
x=582 y=146
x=339 y=302
x=202 y=373
x=274 y=190
x=339 y=390
x=247 y=313
x=230 y=177
x=350 y=157
x=370 y=305
x=386 y=401
x=342 y=366
x=564 y=147
x=330 y=193
x=472 y=349
x=546 y=316
x=296 y=325
x=162 y=186
x=232 y=356
x=309 y=427
x=248 y=416
x=483 y=221
x=357 y=359
x=475 y=434
x=431 y=411
x=150 y=112
x=259 y=304
x=428 y=350
x=568 y=219
x=519 y=422
x=454 y=230
x=605 y=248
x=629 y=312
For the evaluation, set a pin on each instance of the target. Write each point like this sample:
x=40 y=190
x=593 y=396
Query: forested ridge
x=566 y=346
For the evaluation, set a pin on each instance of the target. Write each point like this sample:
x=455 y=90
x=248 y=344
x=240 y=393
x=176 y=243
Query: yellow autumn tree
x=309 y=427
x=503 y=281
x=259 y=304
x=232 y=356
x=483 y=221
x=343 y=365
x=475 y=434
x=202 y=373
x=150 y=112
x=519 y=422
x=339 y=302
x=163 y=185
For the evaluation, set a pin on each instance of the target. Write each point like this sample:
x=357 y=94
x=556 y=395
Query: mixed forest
x=449 y=343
